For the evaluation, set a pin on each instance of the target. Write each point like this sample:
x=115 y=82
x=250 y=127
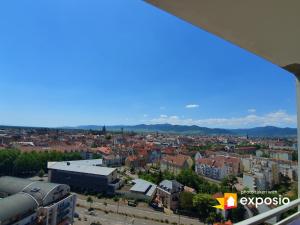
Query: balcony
x=276 y=39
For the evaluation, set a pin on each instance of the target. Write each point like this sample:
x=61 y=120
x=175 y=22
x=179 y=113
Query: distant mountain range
x=267 y=131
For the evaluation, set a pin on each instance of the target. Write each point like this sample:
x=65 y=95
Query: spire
x=104 y=129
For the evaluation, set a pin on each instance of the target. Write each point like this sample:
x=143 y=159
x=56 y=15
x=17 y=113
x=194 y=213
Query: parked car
x=156 y=207
x=132 y=203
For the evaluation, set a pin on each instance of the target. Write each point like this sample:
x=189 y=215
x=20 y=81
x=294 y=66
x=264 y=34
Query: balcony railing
x=274 y=213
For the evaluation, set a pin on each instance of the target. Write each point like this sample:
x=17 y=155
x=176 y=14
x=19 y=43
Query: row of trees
x=191 y=179
x=156 y=177
x=15 y=163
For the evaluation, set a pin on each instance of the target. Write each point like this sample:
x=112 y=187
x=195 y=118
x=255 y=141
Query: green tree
x=228 y=184
x=90 y=200
x=14 y=162
x=237 y=214
x=105 y=204
x=160 y=177
x=186 y=201
x=41 y=173
x=295 y=156
x=132 y=170
x=265 y=155
x=214 y=217
x=191 y=179
x=204 y=203
x=7 y=158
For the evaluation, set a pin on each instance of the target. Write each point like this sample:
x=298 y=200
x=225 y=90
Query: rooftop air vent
x=35 y=189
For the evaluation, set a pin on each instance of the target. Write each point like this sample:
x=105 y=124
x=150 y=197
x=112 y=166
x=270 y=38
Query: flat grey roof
x=140 y=185
x=88 y=162
x=143 y=186
x=151 y=190
x=79 y=168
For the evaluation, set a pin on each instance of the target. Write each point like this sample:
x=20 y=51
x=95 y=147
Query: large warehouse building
x=84 y=176
x=26 y=202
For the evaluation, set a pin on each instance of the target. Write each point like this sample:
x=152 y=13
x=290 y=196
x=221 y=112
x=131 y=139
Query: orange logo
x=228 y=202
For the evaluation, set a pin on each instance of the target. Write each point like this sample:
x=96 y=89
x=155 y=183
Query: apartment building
x=218 y=167
x=175 y=164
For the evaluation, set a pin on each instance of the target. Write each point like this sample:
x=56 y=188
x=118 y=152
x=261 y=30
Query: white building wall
x=249 y=182
x=52 y=212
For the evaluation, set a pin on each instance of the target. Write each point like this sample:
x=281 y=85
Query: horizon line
x=131 y=125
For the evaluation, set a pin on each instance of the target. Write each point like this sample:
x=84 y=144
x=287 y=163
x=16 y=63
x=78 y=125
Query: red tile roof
x=104 y=150
x=224 y=223
x=220 y=161
x=177 y=160
x=132 y=158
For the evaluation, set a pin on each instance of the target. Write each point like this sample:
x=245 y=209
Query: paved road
x=141 y=213
x=110 y=219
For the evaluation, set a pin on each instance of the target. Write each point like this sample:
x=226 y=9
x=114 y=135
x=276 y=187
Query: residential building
x=198 y=156
x=154 y=156
x=112 y=160
x=249 y=181
x=257 y=181
x=246 y=150
x=103 y=150
x=175 y=164
x=168 y=192
x=281 y=154
x=270 y=168
x=218 y=167
x=134 y=161
x=143 y=189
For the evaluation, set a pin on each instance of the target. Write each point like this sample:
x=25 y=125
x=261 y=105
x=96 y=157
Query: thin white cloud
x=145 y=115
x=251 y=110
x=163 y=116
x=279 y=118
x=192 y=106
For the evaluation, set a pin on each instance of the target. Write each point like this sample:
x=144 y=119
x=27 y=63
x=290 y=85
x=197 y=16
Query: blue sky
x=71 y=62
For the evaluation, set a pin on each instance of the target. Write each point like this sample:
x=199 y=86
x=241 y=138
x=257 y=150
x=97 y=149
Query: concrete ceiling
x=268 y=28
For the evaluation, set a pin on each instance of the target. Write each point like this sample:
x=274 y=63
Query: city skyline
x=125 y=62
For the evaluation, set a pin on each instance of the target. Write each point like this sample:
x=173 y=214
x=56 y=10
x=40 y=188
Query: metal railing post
x=298 y=130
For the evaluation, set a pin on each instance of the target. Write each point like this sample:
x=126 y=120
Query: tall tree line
x=15 y=163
